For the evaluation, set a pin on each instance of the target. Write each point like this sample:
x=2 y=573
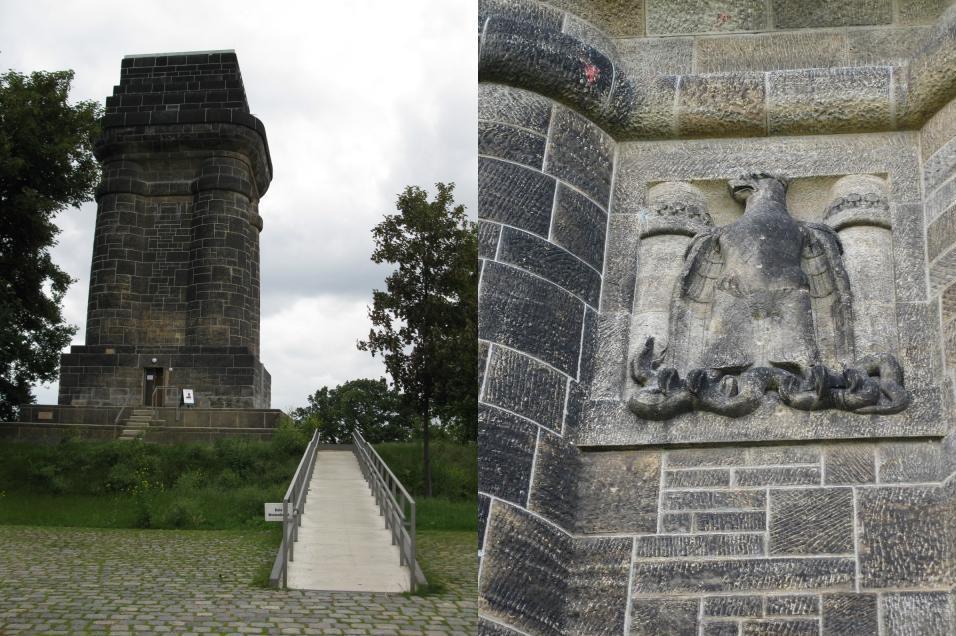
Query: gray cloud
x=359 y=100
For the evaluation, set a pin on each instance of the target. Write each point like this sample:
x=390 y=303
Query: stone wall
x=175 y=268
x=600 y=144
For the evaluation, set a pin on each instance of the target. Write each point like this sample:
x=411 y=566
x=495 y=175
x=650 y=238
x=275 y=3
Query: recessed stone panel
x=507 y=450
x=811 y=521
x=515 y=195
x=531 y=315
x=618 y=491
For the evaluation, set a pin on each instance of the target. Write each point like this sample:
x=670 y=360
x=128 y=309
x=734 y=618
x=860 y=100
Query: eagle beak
x=740 y=189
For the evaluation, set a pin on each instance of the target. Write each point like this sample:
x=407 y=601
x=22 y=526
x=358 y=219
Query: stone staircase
x=137 y=424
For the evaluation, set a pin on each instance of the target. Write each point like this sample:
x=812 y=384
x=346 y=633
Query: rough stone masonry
x=626 y=310
x=174 y=283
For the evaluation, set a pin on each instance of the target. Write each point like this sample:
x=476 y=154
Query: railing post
x=411 y=535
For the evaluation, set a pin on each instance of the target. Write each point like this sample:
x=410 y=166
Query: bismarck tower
x=174 y=283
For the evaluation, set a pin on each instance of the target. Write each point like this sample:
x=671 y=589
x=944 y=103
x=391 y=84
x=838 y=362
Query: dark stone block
x=488 y=234
x=531 y=315
x=513 y=144
x=819 y=13
x=598 y=586
x=543 y=16
x=664 y=616
x=617 y=492
x=796 y=476
x=514 y=106
x=680 y=522
x=660 y=546
x=580 y=226
x=490 y=628
x=681 y=576
x=514 y=195
x=903 y=537
x=507 y=450
x=581 y=154
x=724 y=606
x=551 y=262
x=524 y=386
x=793 y=605
x=849 y=464
x=715 y=500
x=811 y=521
x=553 y=64
x=705 y=457
x=789 y=627
x=849 y=614
x=554 y=483
x=696 y=478
x=484 y=502
x=483 y=350
x=919 y=613
x=730 y=521
x=910 y=462
x=720 y=628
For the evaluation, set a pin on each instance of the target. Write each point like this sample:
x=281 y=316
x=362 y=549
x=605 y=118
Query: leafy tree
x=46 y=165
x=370 y=406
x=424 y=323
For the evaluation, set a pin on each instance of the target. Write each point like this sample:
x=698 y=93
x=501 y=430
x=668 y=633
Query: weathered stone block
x=524 y=386
x=829 y=100
x=617 y=18
x=702 y=457
x=786 y=476
x=598 y=587
x=910 y=462
x=715 y=500
x=703 y=16
x=724 y=606
x=811 y=521
x=581 y=154
x=554 y=482
x=619 y=271
x=515 y=196
x=551 y=262
x=531 y=315
x=513 y=106
x=649 y=57
x=490 y=628
x=580 y=226
x=918 y=613
x=849 y=464
x=793 y=605
x=722 y=104
x=884 y=47
x=488 y=234
x=680 y=522
x=514 y=144
x=776 y=455
x=770 y=51
x=902 y=538
x=507 y=451
x=664 y=617
x=720 y=628
x=696 y=478
x=541 y=15
x=662 y=546
x=790 y=627
x=850 y=614
x=681 y=576
x=729 y=521
x=921 y=11
x=617 y=492
x=818 y=13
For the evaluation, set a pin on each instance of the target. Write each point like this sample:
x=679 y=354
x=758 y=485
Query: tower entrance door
x=152 y=378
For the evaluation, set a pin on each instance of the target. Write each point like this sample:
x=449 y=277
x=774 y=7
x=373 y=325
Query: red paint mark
x=722 y=18
x=591 y=73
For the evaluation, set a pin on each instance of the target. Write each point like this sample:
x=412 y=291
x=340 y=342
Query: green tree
x=424 y=323
x=370 y=406
x=46 y=165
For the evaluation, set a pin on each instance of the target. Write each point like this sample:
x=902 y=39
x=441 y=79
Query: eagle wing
x=830 y=295
x=692 y=298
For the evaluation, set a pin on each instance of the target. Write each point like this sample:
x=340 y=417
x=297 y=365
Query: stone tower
x=623 y=488
x=174 y=284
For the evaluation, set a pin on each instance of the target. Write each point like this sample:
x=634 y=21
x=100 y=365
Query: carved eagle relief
x=763 y=304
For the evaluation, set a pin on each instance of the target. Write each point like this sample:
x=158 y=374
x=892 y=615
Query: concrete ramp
x=343 y=544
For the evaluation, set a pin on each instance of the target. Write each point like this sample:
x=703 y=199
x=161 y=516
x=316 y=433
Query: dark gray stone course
x=910 y=462
x=667 y=546
x=742 y=575
x=513 y=144
x=524 y=386
x=554 y=491
x=617 y=492
x=850 y=614
x=515 y=195
x=793 y=605
x=488 y=234
x=580 y=226
x=581 y=154
x=507 y=450
x=715 y=500
x=696 y=478
x=552 y=262
x=678 y=522
x=919 y=613
x=729 y=521
x=664 y=617
x=720 y=628
x=849 y=464
x=724 y=606
x=793 y=627
x=788 y=476
x=531 y=315
x=819 y=13
x=513 y=106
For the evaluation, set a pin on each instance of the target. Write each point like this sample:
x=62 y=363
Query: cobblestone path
x=81 y=580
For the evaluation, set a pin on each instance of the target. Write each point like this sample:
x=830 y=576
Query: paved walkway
x=80 y=580
x=343 y=544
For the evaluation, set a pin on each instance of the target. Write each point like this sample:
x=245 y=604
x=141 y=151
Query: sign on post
x=274 y=511
x=188 y=397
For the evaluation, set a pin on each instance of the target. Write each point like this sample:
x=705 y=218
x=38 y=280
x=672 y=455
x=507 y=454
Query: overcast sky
x=359 y=99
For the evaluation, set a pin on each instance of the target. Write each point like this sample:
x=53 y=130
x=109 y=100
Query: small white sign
x=274 y=511
x=188 y=396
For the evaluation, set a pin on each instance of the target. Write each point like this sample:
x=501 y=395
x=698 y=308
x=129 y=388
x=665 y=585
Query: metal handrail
x=152 y=397
x=293 y=506
x=399 y=517
x=116 y=421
